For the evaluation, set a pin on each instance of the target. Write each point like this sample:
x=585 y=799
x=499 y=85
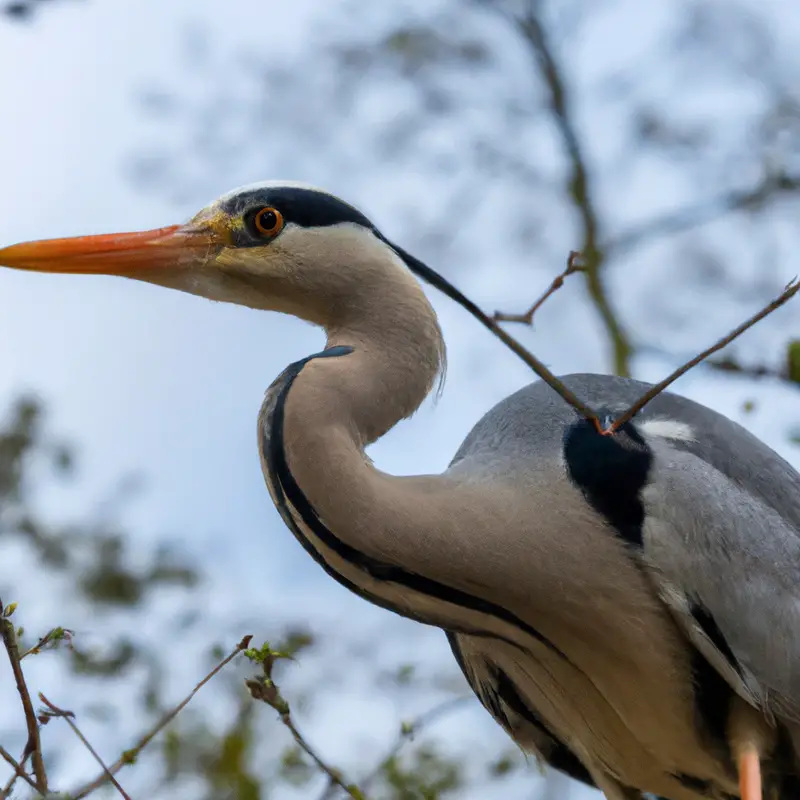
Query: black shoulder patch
x=611 y=471
x=305 y=207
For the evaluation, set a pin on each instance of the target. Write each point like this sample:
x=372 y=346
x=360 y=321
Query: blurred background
x=488 y=137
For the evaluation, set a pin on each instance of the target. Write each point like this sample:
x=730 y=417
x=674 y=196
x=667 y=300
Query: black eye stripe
x=310 y=208
x=304 y=207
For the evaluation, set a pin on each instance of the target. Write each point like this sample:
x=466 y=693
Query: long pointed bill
x=126 y=254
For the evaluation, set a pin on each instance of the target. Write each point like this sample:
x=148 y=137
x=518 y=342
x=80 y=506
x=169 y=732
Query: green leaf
x=793 y=361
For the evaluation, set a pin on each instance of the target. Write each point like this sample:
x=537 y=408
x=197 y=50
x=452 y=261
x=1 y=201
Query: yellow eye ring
x=268 y=221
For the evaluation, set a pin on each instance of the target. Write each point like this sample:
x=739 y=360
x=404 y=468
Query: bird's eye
x=268 y=221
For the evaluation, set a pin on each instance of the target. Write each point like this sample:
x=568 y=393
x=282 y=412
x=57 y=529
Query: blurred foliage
x=93 y=554
x=426 y=774
x=495 y=121
x=23 y=10
x=90 y=564
x=504 y=126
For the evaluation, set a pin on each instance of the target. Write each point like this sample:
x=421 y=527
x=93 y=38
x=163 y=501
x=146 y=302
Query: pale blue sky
x=169 y=385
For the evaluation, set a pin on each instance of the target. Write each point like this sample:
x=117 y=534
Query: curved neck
x=397 y=541
x=334 y=407
x=398 y=353
x=365 y=528
x=393 y=540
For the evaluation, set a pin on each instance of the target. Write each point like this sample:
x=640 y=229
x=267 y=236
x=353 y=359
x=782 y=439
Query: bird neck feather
x=397 y=353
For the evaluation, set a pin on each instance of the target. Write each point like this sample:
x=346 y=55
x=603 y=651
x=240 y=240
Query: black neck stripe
x=433 y=278
x=286 y=488
x=308 y=208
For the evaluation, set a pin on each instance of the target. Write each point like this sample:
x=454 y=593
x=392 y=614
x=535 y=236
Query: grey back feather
x=722 y=522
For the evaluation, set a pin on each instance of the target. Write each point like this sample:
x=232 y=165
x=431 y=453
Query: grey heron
x=626 y=606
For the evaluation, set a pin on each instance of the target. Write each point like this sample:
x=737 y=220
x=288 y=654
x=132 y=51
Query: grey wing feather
x=722 y=536
x=726 y=552
x=722 y=539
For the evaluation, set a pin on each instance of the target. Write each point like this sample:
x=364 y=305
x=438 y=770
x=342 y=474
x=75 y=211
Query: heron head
x=280 y=246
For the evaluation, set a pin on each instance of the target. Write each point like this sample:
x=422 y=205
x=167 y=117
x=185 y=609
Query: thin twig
x=790 y=291
x=695 y=216
x=438 y=282
x=33 y=746
x=558 y=386
x=69 y=717
x=19 y=772
x=333 y=775
x=409 y=730
x=732 y=366
x=579 y=185
x=263 y=687
x=574 y=264
x=130 y=756
x=55 y=634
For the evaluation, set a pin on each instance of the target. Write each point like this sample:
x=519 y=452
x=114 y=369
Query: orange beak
x=127 y=254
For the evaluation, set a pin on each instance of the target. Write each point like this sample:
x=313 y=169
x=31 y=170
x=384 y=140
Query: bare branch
x=33 y=747
x=437 y=281
x=532 y=30
x=408 y=730
x=19 y=772
x=788 y=373
x=52 y=711
x=686 y=219
x=574 y=264
x=262 y=687
x=334 y=775
x=130 y=756
x=789 y=292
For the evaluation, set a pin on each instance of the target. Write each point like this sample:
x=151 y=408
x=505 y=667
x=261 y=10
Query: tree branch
x=409 y=729
x=790 y=291
x=788 y=373
x=19 y=772
x=574 y=264
x=33 y=747
x=532 y=30
x=263 y=687
x=130 y=756
x=52 y=711
x=53 y=636
x=695 y=216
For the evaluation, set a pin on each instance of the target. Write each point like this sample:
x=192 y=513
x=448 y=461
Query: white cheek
x=211 y=285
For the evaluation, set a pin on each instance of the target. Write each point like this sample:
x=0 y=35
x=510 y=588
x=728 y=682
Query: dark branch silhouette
x=33 y=747
x=130 y=756
x=579 y=186
x=52 y=711
x=695 y=216
x=263 y=687
x=787 y=294
x=19 y=772
x=574 y=264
